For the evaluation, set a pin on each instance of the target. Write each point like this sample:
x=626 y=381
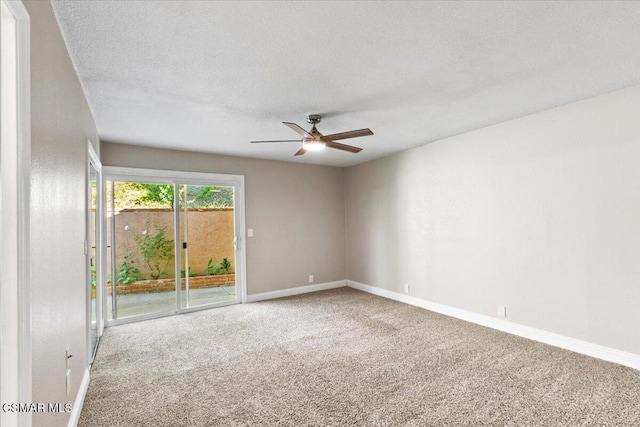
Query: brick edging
x=164 y=285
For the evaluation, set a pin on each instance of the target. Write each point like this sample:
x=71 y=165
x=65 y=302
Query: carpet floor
x=344 y=357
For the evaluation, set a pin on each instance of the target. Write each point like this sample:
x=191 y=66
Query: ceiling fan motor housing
x=314 y=119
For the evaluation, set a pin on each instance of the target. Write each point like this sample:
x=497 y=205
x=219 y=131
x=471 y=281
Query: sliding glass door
x=208 y=249
x=143 y=248
x=172 y=245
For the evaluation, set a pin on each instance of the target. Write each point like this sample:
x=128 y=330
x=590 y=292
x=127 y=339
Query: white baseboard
x=77 y=405
x=583 y=347
x=296 y=291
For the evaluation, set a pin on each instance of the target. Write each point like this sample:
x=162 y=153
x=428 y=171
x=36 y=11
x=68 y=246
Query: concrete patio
x=161 y=302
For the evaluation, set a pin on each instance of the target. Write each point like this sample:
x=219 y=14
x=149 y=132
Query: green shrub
x=223 y=267
x=156 y=250
x=127 y=273
x=211 y=270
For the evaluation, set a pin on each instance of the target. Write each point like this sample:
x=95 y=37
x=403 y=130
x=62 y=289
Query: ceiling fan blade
x=298 y=129
x=349 y=134
x=278 y=140
x=343 y=147
x=300 y=152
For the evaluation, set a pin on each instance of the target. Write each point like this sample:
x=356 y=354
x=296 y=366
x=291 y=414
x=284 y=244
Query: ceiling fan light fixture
x=313 y=140
x=314 y=145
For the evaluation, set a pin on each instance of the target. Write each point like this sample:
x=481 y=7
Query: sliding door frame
x=124 y=174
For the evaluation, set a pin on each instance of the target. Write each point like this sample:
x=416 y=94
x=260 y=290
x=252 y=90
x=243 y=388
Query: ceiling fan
x=315 y=141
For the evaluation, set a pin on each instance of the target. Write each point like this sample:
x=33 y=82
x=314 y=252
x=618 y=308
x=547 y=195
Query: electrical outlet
x=502 y=311
x=311 y=278
x=406 y=288
x=250 y=232
x=67 y=363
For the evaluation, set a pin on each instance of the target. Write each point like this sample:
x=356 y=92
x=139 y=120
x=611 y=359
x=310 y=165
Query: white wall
x=61 y=122
x=540 y=214
x=296 y=212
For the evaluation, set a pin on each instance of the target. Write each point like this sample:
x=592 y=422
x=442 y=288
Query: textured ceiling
x=211 y=76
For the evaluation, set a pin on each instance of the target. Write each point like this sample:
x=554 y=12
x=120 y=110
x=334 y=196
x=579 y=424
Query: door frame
x=93 y=159
x=15 y=287
x=115 y=173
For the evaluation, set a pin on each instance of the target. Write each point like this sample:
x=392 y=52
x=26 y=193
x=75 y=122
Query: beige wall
x=540 y=214
x=296 y=211
x=61 y=123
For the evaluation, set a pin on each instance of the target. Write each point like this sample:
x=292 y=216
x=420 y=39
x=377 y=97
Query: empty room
x=320 y=213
